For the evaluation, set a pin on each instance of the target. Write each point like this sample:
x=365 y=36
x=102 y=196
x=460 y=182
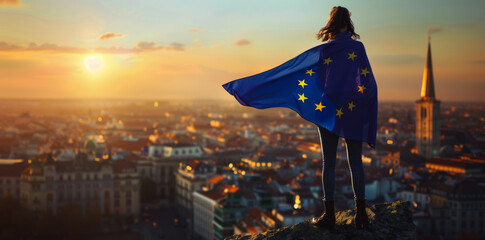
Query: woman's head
x=338 y=20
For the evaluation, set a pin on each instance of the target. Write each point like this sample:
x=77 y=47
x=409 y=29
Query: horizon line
x=185 y=99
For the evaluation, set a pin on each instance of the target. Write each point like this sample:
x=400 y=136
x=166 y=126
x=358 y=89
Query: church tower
x=428 y=114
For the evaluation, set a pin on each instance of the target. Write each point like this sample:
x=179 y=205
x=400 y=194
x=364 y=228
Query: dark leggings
x=329 y=141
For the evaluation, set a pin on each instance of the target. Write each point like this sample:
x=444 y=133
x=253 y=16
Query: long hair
x=338 y=19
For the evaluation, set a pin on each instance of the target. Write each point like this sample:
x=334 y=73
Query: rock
x=388 y=221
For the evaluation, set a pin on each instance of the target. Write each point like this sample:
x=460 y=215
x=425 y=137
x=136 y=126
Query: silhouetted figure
x=332 y=86
x=340 y=27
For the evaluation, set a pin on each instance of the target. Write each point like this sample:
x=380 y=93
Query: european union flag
x=331 y=85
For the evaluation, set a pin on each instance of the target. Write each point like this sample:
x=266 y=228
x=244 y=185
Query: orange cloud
x=151 y=46
x=242 y=42
x=9 y=2
x=196 y=30
x=53 y=48
x=110 y=35
x=45 y=47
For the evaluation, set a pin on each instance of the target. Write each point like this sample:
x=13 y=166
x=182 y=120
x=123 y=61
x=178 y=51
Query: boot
x=360 y=219
x=327 y=220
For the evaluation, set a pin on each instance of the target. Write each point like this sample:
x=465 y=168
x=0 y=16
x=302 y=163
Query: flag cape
x=331 y=85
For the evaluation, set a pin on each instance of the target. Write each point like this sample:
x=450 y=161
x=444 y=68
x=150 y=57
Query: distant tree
x=147 y=190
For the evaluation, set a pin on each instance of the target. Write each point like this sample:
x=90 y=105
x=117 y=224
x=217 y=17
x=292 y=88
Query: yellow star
x=319 y=106
x=361 y=89
x=352 y=56
x=339 y=112
x=302 y=97
x=364 y=72
x=328 y=61
x=351 y=105
x=302 y=83
x=310 y=72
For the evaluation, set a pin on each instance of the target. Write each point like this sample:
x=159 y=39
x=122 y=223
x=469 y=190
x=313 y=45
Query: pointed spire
x=427 y=88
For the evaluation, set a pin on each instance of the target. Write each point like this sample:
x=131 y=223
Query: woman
x=339 y=23
x=331 y=85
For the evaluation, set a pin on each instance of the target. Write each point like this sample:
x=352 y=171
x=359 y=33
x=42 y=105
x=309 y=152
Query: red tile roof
x=214 y=194
x=215 y=179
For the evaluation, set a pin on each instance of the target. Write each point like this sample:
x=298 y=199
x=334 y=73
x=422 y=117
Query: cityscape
x=140 y=169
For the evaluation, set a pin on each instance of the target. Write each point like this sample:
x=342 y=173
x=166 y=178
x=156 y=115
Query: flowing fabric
x=331 y=85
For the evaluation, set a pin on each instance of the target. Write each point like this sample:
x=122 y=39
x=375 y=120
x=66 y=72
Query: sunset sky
x=187 y=49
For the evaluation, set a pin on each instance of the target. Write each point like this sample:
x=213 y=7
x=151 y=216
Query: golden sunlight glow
x=94 y=63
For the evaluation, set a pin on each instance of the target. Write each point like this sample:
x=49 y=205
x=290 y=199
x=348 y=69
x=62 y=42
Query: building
x=463 y=165
x=165 y=160
x=392 y=159
x=10 y=170
x=287 y=216
x=428 y=114
x=191 y=176
x=259 y=162
x=416 y=194
x=216 y=210
x=170 y=150
x=228 y=212
x=111 y=187
x=254 y=221
x=457 y=208
x=126 y=189
x=204 y=205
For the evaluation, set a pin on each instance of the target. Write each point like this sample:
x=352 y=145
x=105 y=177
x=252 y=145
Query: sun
x=94 y=63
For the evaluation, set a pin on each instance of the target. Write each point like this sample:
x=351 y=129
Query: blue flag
x=331 y=85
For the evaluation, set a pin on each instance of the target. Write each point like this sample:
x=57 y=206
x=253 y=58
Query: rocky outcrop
x=391 y=220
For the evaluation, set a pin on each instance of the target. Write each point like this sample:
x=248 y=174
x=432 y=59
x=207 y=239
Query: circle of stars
x=319 y=107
